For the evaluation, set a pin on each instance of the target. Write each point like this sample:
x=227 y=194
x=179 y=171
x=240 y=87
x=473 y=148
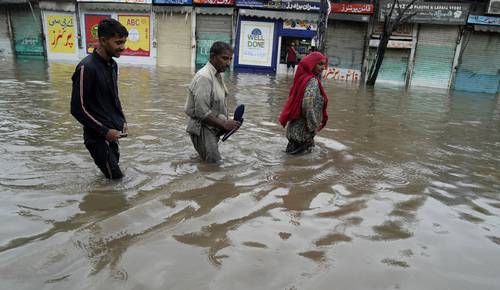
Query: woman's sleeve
x=312 y=90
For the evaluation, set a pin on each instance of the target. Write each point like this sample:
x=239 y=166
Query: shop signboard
x=256 y=43
x=352 y=8
x=298 y=5
x=61 y=33
x=299 y=25
x=118 y=1
x=483 y=20
x=91 y=23
x=138 y=41
x=173 y=2
x=429 y=12
x=214 y=2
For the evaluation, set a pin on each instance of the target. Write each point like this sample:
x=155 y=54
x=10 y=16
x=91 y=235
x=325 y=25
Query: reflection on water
x=401 y=189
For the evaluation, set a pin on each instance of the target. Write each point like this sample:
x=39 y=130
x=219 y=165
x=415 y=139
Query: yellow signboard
x=61 y=34
x=138 y=41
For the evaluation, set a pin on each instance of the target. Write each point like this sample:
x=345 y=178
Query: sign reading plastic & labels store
x=256 y=43
x=429 y=12
x=61 y=33
x=138 y=34
x=303 y=5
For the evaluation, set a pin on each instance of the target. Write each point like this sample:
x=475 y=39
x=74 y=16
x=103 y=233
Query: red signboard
x=214 y=2
x=352 y=8
x=91 y=23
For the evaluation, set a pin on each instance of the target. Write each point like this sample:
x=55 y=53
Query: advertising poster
x=204 y=43
x=256 y=43
x=138 y=41
x=91 y=23
x=61 y=34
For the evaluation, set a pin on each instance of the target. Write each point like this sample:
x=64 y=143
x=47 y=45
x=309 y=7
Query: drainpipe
x=193 y=40
x=411 y=60
x=456 y=59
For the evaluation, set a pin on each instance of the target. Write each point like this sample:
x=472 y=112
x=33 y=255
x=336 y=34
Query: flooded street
x=402 y=191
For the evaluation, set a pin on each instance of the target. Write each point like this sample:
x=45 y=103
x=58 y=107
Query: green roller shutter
x=209 y=29
x=394 y=66
x=479 y=67
x=434 y=56
x=27 y=30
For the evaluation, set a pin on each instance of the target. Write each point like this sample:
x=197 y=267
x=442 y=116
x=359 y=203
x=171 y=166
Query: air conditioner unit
x=494 y=7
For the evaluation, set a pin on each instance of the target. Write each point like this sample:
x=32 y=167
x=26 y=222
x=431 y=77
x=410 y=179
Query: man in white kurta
x=206 y=104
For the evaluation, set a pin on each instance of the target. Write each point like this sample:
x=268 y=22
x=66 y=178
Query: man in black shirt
x=94 y=99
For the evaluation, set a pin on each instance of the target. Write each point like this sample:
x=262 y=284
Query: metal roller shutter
x=434 y=56
x=479 y=69
x=5 y=46
x=27 y=31
x=394 y=66
x=174 y=39
x=209 y=29
x=345 y=44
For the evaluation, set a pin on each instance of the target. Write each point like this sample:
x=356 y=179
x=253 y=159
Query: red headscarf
x=293 y=107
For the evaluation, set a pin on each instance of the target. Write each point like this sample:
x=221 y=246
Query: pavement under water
x=400 y=192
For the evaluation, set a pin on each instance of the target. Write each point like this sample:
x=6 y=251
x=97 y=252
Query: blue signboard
x=483 y=20
x=297 y=5
x=173 y=2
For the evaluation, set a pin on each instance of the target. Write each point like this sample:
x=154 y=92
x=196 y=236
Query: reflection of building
x=137 y=18
x=174 y=32
x=264 y=35
x=60 y=29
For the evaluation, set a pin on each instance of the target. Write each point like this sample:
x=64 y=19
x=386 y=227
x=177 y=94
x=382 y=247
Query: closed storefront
x=138 y=19
x=345 y=42
x=479 y=67
x=434 y=55
x=5 y=44
x=394 y=67
x=27 y=28
x=479 y=64
x=174 y=34
x=60 y=30
x=212 y=24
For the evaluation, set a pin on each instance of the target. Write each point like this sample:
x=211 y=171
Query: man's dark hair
x=109 y=27
x=219 y=48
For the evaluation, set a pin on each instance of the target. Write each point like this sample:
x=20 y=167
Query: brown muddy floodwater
x=401 y=192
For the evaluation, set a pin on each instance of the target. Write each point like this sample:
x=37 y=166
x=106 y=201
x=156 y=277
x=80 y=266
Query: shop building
x=346 y=40
x=431 y=54
x=263 y=36
x=174 y=32
x=214 y=22
x=478 y=66
x=136 y=15
x=26 y=27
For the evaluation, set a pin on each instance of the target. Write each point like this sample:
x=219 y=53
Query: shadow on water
x=399 y=183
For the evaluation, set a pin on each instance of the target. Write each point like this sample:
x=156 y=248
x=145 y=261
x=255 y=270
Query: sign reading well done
x=256 y=43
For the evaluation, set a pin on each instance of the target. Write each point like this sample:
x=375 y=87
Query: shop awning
x=311 y=17
x=57 y=6
x=214 y=10
x=114 y=7
x=172 y=9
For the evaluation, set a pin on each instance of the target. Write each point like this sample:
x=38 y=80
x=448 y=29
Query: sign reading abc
x=256 y=43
